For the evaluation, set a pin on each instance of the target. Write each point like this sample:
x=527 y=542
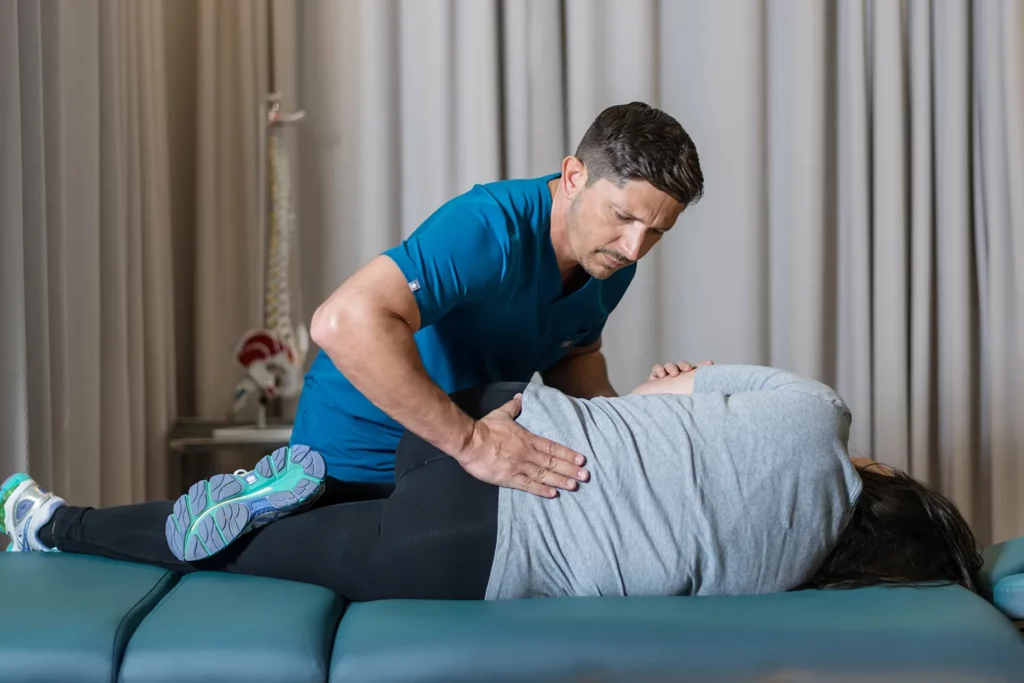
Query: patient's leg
x=432 y=539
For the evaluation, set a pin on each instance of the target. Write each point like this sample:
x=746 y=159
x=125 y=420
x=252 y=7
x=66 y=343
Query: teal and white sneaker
x=24 y=510
x=214 y=513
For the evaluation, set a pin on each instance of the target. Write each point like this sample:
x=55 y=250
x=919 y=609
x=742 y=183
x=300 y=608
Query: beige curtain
x=232 y=80
x=87 y=341
x=243 y=52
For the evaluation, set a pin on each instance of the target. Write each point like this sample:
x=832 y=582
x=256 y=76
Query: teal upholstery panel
x=1008 y=596
x=1002 y=560
x=69 y=617
x=231 y=628
x=934 y=634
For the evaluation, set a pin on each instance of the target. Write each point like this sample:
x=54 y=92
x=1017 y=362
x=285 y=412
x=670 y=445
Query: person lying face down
x=728 y=479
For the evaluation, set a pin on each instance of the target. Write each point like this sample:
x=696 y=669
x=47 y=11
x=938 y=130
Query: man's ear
x=574 y=176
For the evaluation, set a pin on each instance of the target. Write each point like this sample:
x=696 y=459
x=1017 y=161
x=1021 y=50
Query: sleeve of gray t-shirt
x=773 y=459
x=734 y=379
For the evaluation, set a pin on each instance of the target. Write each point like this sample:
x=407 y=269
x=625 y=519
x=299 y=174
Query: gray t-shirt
x=742 y=487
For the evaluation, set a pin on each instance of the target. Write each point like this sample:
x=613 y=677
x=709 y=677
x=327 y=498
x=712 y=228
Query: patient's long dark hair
x=900 y=532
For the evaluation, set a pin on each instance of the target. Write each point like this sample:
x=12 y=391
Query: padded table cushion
x=937 y=634
x=68 y=617
x=1008 y=596
x=1001 y=561
x=233 y=628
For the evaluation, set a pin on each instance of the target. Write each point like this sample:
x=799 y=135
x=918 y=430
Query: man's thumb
x=513 y=407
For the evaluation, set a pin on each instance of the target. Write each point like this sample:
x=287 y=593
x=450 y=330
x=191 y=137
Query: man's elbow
x=323 y=325
x=351 y=320
x=332 y=319
x=373 y=301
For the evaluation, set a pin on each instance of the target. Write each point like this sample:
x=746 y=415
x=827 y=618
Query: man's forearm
x=583 y=376
x=378 y=354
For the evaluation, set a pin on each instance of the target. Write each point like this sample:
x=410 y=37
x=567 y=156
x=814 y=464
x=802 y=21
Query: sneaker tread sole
x=215 y=512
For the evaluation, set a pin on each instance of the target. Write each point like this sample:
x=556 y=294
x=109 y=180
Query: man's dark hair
x=901 y=532
x=638 y=142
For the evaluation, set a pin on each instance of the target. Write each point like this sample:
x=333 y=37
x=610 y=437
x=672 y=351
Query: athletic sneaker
x=215 y=512
x=24 y=510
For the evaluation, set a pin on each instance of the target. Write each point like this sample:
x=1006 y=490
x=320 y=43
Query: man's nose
x=632 y=242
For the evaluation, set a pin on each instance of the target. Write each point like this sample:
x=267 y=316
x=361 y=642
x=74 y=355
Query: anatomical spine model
x=274 y=355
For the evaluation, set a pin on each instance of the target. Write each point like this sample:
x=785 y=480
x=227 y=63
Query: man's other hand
x=503 y=453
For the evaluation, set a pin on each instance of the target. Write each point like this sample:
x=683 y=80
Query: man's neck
x=569 y=268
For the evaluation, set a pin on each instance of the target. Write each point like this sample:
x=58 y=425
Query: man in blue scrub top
x=511 y=278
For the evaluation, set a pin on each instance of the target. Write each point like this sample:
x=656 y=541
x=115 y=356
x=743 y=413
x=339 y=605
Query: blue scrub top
x=484 y=275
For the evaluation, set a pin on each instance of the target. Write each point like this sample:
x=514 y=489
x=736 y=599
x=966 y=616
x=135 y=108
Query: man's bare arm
x=366 y=328
x=582 y=373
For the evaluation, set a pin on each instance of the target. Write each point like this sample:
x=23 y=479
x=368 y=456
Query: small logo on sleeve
x=414 y=285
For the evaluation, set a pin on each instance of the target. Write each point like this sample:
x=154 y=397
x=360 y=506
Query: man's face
x=611 y=227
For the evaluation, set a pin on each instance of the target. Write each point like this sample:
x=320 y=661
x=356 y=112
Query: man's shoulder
x=505 y=208
x=525 y=201
x=525 y=188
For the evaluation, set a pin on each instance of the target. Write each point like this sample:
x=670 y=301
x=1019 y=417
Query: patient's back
x=742 y=487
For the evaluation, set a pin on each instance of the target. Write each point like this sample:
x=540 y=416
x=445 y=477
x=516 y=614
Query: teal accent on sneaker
x=24 y=509
x=6 y=490
x=217 y=511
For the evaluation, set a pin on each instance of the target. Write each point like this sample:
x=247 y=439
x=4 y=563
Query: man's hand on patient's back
x=503 y=453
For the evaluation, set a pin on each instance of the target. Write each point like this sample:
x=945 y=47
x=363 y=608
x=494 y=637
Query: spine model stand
x=273 y=356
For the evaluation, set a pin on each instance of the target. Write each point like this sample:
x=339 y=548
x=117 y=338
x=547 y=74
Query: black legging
x=433 y=538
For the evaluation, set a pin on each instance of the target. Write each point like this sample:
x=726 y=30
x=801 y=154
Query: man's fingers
x=548 y=477
x=558 y=451
x=523 y=482
x=561 y=469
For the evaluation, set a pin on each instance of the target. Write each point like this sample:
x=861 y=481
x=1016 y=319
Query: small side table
x=194 y=442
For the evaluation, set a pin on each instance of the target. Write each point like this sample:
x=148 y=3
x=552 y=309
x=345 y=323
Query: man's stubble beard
x=587 y=260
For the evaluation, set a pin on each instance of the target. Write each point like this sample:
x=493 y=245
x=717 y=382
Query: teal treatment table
x=77 y=619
